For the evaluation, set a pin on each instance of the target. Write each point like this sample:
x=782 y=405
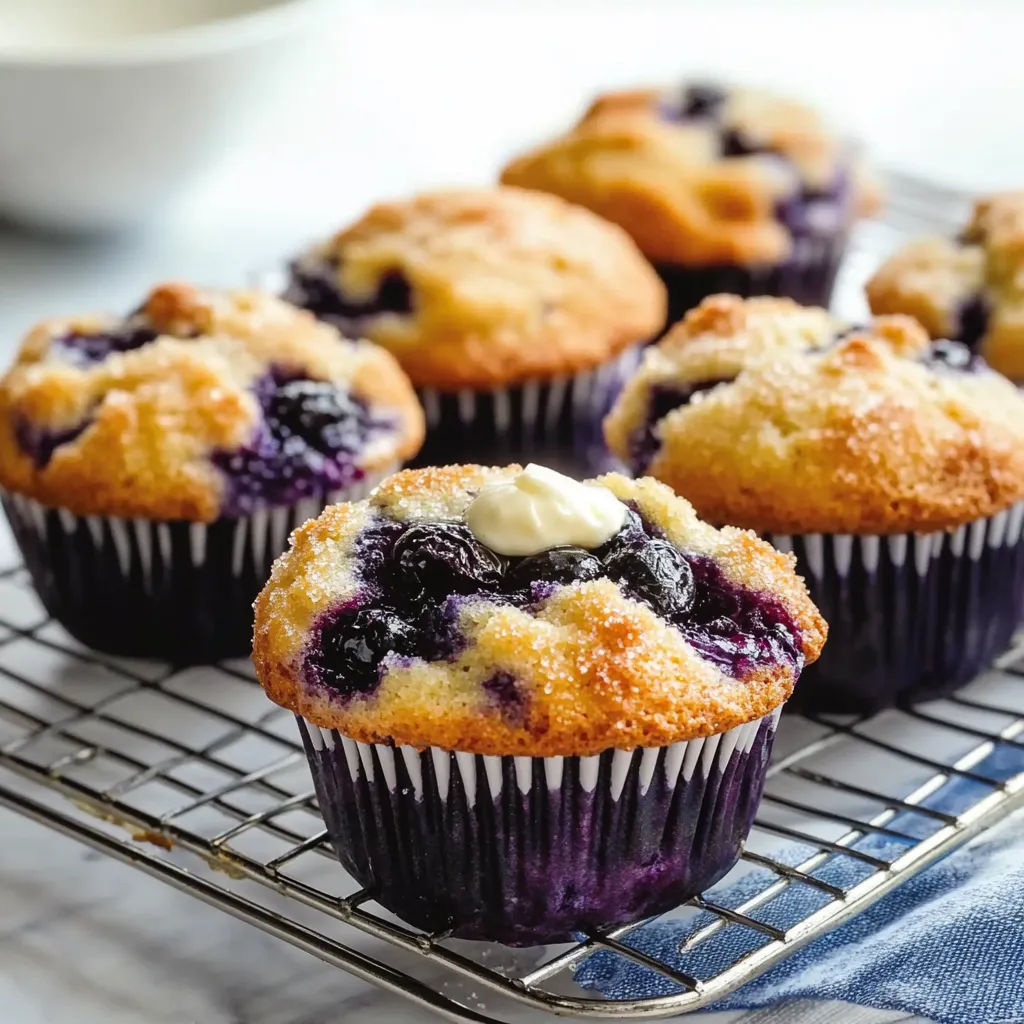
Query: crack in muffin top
x=484 y=288
x=781 y=418
x=201 y=403
x=391 y=622
x=970 y=288
x=702 y=175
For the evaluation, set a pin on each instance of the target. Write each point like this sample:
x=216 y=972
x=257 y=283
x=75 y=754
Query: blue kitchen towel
x=947 y=945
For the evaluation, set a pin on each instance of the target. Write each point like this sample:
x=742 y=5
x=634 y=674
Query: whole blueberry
x=561 y=566
x=317 y=412
x=435 y=560
x=656 y=573
x=353 y=646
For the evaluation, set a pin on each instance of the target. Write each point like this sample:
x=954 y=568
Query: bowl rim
x=234 y=32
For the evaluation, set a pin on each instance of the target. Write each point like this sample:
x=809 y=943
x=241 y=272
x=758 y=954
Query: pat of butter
x=540 y=509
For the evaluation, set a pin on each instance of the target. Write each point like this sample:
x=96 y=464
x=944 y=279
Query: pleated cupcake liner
x=529 y=850
x=177 y=591
x=808 y=277
x=534 y=421
x=912 y=617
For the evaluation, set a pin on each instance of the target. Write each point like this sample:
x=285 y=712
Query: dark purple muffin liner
x=529 y=850
x=533 y=420
x=807 y=277
x=174 y=590
x=912 y=617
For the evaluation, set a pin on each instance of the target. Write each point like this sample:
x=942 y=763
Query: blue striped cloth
x=948 y=945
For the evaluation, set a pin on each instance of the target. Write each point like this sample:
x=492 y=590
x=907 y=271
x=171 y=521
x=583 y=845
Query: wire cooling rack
x=194 y=778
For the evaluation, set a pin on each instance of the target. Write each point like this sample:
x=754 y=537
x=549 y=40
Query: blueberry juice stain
x=306 y=444
x=416 y=577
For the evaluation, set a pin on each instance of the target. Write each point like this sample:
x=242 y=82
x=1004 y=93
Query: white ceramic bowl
x=108 y=107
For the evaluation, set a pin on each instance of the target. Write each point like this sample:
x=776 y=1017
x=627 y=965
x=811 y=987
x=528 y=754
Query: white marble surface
x=431 y=94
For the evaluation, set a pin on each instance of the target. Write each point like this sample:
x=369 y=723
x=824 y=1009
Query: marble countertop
x=426 y=95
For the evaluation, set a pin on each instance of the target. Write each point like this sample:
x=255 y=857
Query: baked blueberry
x=351 y=649
x=434 y=560
x=319 y=413
x=702 y=99
x=40 y=443
x=314 y=285
x=655 y=572
x=972 y=317
x=305 y=445
x=81 y=347
x=560 y=566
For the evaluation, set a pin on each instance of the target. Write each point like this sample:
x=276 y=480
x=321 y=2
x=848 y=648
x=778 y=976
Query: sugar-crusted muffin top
x=702 y=174
x=780 y=418
x=200 y=403
x=391 y=621
x=970 y=288
x=482 y=288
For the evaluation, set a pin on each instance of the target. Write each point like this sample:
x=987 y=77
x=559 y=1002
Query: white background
x=405 y=95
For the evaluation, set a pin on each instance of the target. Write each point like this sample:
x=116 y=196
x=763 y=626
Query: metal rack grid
x=211 y=784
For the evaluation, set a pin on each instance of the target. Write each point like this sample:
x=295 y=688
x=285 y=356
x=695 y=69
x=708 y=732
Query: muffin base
x=524 y=850
x=912 y=617
x=533 y=420
x=808 y=277
x=176 y=590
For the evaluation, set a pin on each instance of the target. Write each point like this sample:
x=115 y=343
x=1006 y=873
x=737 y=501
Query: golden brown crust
x=156 y=413
x=599 y=670
x=666 y=182
x=932 y=279
x=507 y=285
x=854 y=437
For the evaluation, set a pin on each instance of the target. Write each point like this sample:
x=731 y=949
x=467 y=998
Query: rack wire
x=210 y=784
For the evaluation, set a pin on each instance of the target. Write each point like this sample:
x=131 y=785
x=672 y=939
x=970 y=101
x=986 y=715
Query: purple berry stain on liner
x=535 y=867
x=416 y=578
x=307 y=443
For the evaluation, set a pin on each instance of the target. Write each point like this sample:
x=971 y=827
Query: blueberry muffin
x=892 y=466
x=970 y=288
x=152 y=466
x=724 y=189
x=513 y=313
x=532 y=706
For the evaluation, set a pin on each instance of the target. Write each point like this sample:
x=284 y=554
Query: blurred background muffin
x=724 y=189
x=515 y=314
x=970 y=288
x=152 y=466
